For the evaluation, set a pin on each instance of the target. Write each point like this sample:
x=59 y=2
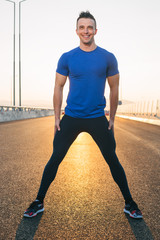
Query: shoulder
x=106 y=53
x=63 y=62
x=70 y=53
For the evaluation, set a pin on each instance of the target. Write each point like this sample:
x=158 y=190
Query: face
x=86 y=30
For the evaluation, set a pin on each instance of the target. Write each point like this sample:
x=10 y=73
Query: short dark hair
x=86 y=14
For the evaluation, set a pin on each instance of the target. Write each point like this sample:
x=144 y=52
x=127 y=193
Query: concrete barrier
x=8 y=113
x=154 y=121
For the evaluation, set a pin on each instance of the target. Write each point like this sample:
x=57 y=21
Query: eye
x=90 y=27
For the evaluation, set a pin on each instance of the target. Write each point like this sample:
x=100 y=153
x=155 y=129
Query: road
x=83 y=202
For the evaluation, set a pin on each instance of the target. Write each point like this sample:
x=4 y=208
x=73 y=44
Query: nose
x=86 y=30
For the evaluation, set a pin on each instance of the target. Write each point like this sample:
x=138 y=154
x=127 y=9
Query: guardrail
x=23 y=108
x=142 y=109
x=11 y=113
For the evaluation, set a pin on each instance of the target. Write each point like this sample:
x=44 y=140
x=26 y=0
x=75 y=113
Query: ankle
x=39 y=199
x=130 y=201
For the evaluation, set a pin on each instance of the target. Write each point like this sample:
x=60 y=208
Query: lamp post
x=14 y=23
x=20 y=51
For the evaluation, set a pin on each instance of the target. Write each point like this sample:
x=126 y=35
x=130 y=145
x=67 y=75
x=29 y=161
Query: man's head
x=86 y=14
x=86 y=27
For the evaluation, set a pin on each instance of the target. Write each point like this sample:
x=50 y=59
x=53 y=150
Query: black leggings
x=69 y=129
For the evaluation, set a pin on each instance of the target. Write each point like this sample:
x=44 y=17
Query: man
x=87 y=67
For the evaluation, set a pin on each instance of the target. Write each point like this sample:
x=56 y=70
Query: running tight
x=69 y=129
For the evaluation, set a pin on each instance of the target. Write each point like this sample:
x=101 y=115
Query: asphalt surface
x=83 y=202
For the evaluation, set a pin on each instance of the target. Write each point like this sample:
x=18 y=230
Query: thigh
x=102 y=136
x=67 y=134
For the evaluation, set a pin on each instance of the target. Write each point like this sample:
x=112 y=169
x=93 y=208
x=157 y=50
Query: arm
x=113 y=82
x=57 y=98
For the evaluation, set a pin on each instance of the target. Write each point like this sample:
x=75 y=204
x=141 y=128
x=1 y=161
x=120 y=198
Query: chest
x=87 y=65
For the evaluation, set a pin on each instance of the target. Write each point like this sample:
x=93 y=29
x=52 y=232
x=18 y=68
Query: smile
x=86 y=36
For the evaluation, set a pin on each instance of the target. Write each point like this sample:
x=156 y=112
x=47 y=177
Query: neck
x=88 y=47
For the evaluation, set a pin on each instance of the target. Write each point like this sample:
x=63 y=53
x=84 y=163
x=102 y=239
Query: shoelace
x=134 y=207
x=34 y=204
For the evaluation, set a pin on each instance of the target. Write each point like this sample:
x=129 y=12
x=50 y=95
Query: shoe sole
x=132 y=216
x=34 y=215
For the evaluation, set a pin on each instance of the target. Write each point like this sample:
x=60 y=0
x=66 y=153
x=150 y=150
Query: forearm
x=113 y=102
x=57 y=101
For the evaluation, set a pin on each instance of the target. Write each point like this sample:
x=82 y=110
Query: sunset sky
x=129 y=29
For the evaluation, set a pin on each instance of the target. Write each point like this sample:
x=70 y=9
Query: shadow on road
x=140 y=229
x=28 y=227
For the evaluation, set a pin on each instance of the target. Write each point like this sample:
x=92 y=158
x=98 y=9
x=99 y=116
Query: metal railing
x=141 y=109
x=23 y=109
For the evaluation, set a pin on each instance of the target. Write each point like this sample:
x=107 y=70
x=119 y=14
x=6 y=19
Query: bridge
x=83 y=202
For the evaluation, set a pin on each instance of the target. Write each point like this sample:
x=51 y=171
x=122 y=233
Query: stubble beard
x=89 y=43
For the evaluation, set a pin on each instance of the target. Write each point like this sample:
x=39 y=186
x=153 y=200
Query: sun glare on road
x=81 y=161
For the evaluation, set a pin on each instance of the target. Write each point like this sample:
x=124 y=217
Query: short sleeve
x=62 y=66
x=112 y=68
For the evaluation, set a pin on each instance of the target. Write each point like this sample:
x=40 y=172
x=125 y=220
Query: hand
x=56 y=126
x=111 y=125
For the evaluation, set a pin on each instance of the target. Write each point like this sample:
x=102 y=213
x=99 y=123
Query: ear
x=77 y=31
x=96 y=31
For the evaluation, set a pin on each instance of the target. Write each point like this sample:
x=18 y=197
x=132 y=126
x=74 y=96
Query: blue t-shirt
x=87 y=72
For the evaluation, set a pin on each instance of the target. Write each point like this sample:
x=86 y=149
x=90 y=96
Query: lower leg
x=119 y=177
x=49 y=174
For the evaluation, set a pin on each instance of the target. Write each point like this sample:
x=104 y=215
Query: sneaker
x=133 y=210
x=34 y=208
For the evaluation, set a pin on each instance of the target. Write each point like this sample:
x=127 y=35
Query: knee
x=55 y=159
x=111 y=158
